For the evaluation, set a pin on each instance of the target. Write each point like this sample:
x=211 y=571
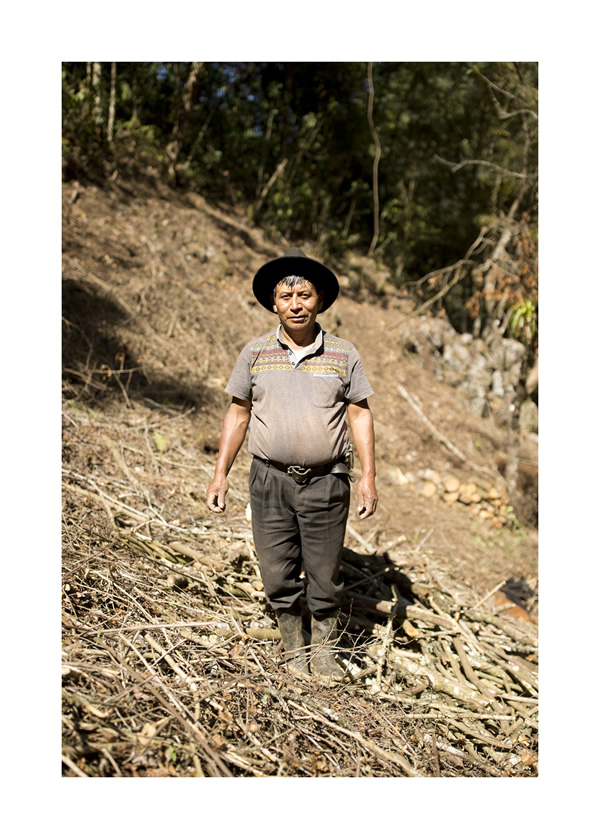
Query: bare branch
x=502 y=112
x=456 y=166
x=454 y=268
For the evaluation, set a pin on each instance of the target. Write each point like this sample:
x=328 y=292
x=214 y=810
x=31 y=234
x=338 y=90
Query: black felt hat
x=294 y=262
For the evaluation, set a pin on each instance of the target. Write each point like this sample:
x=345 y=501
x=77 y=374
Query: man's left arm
x=360 y=419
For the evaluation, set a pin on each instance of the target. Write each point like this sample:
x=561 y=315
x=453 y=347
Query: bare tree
x=111 y=102
x=96 y=91
x=375 y=162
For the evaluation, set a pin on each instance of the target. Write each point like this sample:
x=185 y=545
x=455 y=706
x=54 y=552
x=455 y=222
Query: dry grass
x=171 y=658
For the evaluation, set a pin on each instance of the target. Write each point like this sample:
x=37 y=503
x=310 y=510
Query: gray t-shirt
x=299 y=407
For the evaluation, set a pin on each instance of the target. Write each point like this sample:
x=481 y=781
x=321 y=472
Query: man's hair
x=293 y=281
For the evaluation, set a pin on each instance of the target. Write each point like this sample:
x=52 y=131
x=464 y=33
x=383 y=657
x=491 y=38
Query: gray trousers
x=299 y=524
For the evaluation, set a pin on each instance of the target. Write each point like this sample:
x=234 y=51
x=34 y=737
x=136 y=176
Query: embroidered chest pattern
x=268 y=355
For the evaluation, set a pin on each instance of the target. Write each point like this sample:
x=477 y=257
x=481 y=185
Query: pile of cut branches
x=172 y=666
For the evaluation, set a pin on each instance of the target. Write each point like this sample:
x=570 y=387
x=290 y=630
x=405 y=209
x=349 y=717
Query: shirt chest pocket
x=326 y=390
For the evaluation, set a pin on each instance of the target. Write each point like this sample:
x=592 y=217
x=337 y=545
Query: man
x=296 y=385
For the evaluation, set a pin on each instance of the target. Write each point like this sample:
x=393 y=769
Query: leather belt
x=301 y=474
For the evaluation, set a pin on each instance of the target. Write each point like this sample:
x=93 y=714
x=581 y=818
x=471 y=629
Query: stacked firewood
x=172 y=665
x=478 y=498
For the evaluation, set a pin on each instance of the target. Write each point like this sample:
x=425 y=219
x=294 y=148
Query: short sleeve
x=240 y=381
x=358 y=386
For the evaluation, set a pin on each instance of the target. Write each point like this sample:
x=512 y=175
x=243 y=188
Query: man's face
x=297 y=307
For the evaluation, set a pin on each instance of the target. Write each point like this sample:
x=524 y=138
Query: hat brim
x=268 y=275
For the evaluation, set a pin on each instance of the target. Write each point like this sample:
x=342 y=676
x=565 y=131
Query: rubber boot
x=322 y=663
x=296 y=657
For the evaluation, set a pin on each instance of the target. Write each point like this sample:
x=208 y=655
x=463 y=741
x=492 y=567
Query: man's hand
x=215 y=494
x=367 y=498
x=361 y=424
x=232 y=436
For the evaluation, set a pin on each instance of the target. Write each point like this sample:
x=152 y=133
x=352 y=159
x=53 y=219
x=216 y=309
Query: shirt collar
x=317 y=343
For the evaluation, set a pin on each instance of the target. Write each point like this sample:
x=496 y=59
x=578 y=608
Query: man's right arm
x=233 y=434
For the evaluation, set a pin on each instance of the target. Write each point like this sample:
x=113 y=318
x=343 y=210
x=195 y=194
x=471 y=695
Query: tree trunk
x=375 y=162
x=265 y=190
x=263 y=156
x=349 y=217
x=96 y=93
x=111 y=102
x=134 y=96
x=182 y=120
x=302 y=151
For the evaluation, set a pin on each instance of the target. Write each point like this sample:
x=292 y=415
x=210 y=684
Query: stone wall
x=486 y=379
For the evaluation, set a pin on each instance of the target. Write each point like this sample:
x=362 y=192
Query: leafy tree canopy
x=456 y=182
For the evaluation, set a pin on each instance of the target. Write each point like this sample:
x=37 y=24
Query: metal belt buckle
x=299 y=473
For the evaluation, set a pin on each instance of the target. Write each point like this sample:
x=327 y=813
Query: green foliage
x=523 y=321
x=291 y=141
x=160 y=441
x=512 y=522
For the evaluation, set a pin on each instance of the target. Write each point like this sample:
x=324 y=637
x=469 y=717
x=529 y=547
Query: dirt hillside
x=156 y=305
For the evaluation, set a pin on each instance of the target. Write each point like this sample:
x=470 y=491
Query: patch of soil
x=157 y=303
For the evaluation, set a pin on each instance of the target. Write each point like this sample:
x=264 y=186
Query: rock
x=528 y=418
x=497 y=384
x=452 y=484
x=456 y=360
x=428 y=489
x=485 y=375
x=450 y=497
x=438 y=332
x=397 y=476
x=513 y=353
x=475 y=385
x=468 y=492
